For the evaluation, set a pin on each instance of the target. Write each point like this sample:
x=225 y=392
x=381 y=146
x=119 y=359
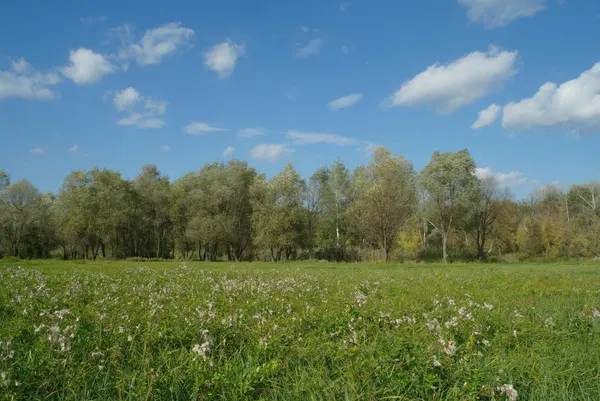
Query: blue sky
x=178 y=84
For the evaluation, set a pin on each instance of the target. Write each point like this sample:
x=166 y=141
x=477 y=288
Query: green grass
x=298 y=331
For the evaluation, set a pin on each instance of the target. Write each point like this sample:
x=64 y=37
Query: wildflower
x=488 y=306
x=202 y=350
x=433 y=325
x=509 y=391
x=465 y=314
x=449 y=347
x=451 y=323
x=360 y=298
x=517 y=313
x=437 y=363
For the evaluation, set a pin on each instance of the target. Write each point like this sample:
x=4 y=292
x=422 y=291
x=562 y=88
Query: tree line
x=384 y=210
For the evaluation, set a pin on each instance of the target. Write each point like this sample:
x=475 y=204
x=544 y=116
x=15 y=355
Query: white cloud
x=251 y=132
x=510 y=179
x=345 y=101
x=573 y=106
x=86 y=67
x=36 y=150
x=449 y=87
x=305 y=138
x=165 y=148
x=127 y=99
x=222 y=57
x=270 y=152
x=20 y=66
x=499 y=13
x=487 y=116
x=304 y=28
x=156 y=44
x=313 y=47
x=345 y=49
x=24 y=82
x=344 y=6
x=196 y=128
x=228 y=152
x=75 y=149
x=144 y=112
x=367 y=149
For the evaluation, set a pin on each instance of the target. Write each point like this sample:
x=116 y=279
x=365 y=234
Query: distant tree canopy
x=382 y=211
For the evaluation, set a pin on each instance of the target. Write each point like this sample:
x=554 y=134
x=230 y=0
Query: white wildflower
x=509 y=391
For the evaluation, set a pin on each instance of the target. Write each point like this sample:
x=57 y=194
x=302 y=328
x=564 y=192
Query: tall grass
x=166 y=330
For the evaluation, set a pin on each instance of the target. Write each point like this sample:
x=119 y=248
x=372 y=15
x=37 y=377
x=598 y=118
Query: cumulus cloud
x=573 y=106
x=86 y=67
x=197 y=128
x=312 y=47
x=345 y=101
x=24 y=82
x=143 y=111
x=228 y=152
x=251 y=132
x=222 y=57
x=305 y=138
x=38 y=151
x=75 y=149
x=510 y=179
x=156 y=44
x=367 y=149
x=270 y=152
x=499 y=13
x=487 y=116
x=449 y=87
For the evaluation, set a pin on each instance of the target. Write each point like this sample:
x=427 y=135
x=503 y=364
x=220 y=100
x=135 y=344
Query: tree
x=153 y=192
x=584 y=201
x=314 y=205
x=278 y=219
x=452 y=188
x=384 y=198
x=484 y=213
x=4 y=179
x=336 y=199
x=19 y=204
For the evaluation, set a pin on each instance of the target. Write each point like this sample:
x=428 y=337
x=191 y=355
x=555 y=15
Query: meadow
x=298 y=331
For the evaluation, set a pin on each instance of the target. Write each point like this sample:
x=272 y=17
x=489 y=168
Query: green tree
x=277 y=218
x=384 y=199
x=19 y=206
x=452 y=189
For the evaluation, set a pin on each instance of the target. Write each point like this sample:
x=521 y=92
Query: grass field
x=305 y=331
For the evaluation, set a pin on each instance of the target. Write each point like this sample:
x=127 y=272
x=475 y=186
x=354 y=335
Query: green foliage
x=227 y=211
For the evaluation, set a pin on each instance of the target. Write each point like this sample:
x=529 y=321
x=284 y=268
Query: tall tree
x=278 y=213
x=337 y=198
x=452 y=188
x=153 y=191
x=484 y=213
x=19 y=206
x=384 y=198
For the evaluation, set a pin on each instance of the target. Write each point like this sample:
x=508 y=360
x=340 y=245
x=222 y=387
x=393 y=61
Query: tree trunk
x=444 y=248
